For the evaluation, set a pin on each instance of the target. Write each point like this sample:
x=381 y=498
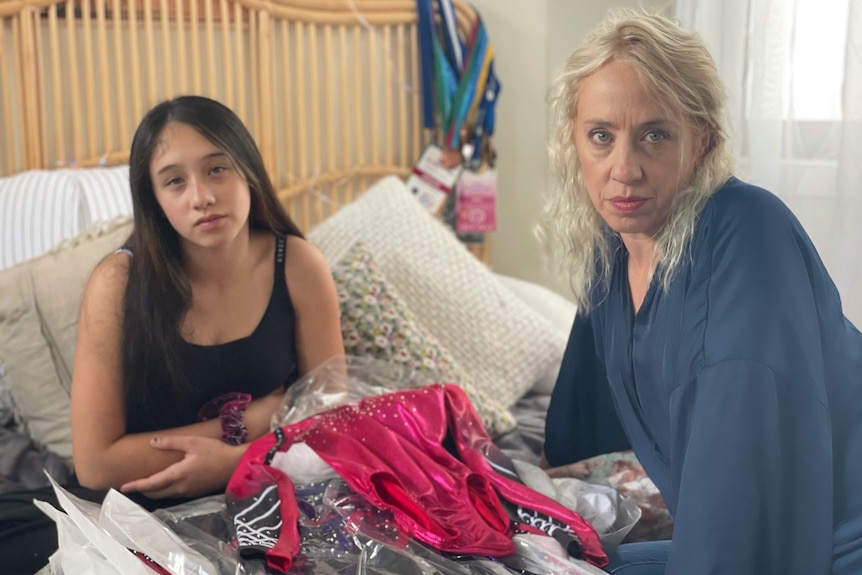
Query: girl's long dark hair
x=158 y=293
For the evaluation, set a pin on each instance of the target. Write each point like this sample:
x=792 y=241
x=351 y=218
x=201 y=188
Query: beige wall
x=531 y=40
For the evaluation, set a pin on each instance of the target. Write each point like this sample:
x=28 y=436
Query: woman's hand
x=206 y=466
x=579 y=470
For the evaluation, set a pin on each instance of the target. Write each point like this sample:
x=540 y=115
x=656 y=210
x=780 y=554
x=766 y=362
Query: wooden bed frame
x=330 y=89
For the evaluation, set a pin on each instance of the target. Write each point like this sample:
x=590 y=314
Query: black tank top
x=256 y=364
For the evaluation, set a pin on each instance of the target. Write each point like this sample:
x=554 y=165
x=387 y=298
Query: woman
x=217 y=299
x=709 y=337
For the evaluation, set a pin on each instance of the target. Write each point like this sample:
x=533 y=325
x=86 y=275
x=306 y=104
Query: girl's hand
x=206 y=466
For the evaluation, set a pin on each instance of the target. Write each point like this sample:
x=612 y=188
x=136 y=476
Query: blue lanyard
x=483 y=126
x=458 y=82
x=426 y=52
x=445 y=83
x=454 y=46
x=467 y=86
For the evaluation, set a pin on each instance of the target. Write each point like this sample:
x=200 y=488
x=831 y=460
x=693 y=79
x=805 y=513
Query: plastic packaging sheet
x=205 y=526
x=610 y=513
x=117 y=537
x=342 y=380
x=343 y=534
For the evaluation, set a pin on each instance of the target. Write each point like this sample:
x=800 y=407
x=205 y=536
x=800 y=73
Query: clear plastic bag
x=205 y=525
x=100 y=539
x=610 y=513
x=342 y=380
x=136 y=528
x=342 y=534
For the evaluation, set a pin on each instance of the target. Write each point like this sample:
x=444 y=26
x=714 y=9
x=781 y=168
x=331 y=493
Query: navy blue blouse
x=739 y=389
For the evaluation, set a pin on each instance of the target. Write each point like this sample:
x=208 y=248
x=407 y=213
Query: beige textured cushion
x=503 y=344
x=38 y=329
x=42 y=404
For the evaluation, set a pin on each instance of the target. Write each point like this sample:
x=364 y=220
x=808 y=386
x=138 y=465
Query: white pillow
x=500 y=342
x=552 y=306
x=38 y=209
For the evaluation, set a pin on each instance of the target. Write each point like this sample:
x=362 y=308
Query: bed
x=330 y=90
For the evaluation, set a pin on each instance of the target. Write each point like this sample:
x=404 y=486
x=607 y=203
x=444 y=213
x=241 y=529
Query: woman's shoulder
x=737 y=198
x=742 y=202
x=739 y=212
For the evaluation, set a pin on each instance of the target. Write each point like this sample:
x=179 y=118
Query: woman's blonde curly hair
x=676 y=66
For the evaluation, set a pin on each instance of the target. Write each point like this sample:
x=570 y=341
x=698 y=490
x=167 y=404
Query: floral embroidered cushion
x=376 y=323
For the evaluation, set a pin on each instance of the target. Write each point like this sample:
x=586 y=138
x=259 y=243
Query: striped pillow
x=106 y=193
x=38 y=210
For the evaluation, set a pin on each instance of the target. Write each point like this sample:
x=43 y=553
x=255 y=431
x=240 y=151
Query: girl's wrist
x=230 y=409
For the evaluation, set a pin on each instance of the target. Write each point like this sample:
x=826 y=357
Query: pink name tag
x=476 y=202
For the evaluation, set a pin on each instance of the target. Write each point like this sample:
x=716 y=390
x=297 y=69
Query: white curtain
x=793 y=71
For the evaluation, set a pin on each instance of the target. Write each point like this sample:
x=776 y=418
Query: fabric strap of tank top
x=280 y=247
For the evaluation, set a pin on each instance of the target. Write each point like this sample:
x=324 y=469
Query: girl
x=189 y=335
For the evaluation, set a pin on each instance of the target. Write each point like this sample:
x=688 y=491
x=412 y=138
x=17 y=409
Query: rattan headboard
x=329 y=88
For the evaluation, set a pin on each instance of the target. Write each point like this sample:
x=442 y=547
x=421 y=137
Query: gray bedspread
x=525 y=443
x=22 y=462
